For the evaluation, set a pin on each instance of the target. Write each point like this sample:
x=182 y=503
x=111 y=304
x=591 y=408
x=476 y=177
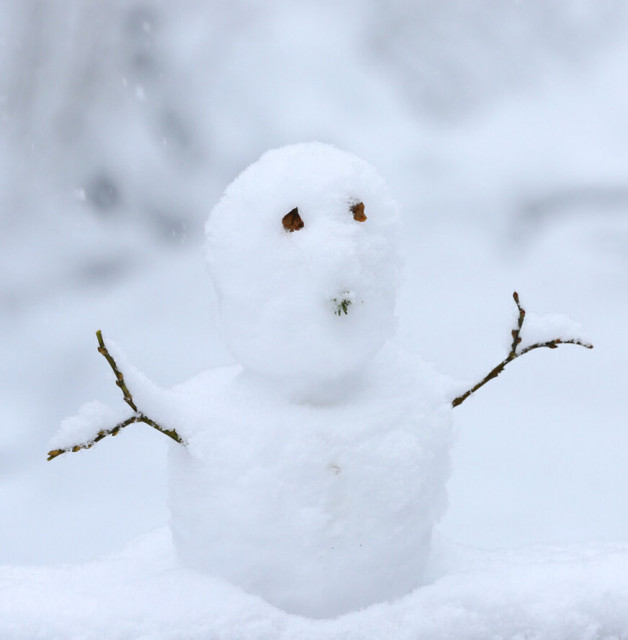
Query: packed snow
x=140 y=592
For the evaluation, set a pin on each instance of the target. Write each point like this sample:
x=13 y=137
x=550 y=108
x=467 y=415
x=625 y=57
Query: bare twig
x=514 y=353
x=102 y=349
x=137 y=416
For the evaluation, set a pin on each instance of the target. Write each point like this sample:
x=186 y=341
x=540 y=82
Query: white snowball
x=318 y=508
x=281 y=292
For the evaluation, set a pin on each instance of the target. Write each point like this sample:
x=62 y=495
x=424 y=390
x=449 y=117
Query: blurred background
x=502 y=128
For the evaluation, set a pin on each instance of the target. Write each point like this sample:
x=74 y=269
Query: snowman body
x=315 y=469
x=319 y=507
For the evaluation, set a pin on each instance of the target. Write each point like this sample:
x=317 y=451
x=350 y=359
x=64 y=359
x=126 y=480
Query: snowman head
x=302 y=252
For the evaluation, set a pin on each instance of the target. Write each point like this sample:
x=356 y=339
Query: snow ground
x=525 y=194
x=537 y=594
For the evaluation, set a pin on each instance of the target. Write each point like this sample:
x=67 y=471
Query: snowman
x=314 y=469
x=312 y=472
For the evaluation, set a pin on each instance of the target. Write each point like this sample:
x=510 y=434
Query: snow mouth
x=342 y=302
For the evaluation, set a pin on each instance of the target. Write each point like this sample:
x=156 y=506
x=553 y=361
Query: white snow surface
x=578 y=593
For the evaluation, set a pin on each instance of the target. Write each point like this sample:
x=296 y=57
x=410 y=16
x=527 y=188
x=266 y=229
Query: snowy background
x=502 y=130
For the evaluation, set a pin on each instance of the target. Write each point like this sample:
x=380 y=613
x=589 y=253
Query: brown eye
x=292 y=221
x=358 y=212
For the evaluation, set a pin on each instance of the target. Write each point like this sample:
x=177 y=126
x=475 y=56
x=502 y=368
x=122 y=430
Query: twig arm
x=515 y=352
x=138 y=416
x=493 y=373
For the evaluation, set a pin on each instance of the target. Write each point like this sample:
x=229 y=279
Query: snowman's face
x=303 y=255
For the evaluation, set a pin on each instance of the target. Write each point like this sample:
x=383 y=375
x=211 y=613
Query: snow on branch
x=138 y=416
x=516 y=351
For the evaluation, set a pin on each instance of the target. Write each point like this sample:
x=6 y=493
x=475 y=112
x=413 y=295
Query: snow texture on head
x=314 y=303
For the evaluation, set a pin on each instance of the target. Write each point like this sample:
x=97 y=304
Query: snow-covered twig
x=137 y=416
x=515 y=353
x=103 y=433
